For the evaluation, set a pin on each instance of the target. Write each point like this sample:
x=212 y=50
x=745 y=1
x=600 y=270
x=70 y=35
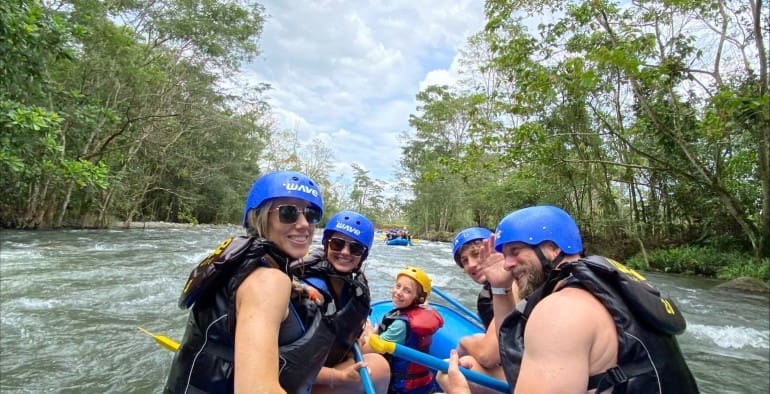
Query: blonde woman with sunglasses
x=249 y=328
x=336 y=271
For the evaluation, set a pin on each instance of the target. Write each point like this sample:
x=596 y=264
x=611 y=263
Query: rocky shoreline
x=744 y=284
x=163 y=225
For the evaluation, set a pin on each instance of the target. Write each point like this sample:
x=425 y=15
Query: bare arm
x=483 y=347
x=261 y=304
x=497 y=276
x=568 y=335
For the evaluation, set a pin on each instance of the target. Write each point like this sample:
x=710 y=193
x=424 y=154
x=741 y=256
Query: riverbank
x=695 y=261
x=163 y=225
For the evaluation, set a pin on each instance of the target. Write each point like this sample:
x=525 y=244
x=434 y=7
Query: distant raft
x=399 y=242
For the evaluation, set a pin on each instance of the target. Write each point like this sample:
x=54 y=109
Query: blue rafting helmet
x=538 y=224
x=282 y=184
x=354 y=225
x=465 y=236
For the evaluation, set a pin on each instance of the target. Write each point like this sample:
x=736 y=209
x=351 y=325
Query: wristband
x=500 y=290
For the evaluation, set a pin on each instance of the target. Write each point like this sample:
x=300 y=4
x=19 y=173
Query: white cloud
x=437 y=77
x=348 y=71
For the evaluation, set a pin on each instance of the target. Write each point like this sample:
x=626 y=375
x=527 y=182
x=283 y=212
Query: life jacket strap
x=410 y=375
x=616 y=376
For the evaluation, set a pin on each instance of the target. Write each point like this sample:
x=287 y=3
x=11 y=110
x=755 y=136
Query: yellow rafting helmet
x=420 y=276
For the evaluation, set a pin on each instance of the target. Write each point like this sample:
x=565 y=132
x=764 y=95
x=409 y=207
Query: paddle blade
x=162 y=340
x=380 y=345
x=167 y=342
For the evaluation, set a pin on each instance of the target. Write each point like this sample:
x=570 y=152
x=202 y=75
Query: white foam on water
x=144 y=246
x=730 y=337
x=100 y=247
x=18 y=245
x=11 y=254
x=31 y=304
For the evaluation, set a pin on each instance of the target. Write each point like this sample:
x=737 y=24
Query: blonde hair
x=257 y=221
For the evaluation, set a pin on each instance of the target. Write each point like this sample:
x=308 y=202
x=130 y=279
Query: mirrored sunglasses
x=355 y=248
x=289 y=214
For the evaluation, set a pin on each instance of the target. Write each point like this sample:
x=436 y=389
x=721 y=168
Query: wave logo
x=350 y=229
x=301 y=188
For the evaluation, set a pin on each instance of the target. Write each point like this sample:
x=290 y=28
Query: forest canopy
x=649 y=121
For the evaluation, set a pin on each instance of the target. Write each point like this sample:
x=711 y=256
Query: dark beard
x=535 y=279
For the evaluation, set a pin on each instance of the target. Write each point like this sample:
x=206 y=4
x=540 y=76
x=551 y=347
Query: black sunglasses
x=289 y=214
x=355 y=248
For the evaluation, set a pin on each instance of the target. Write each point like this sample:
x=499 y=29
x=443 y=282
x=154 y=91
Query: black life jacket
x=649 y=358
x=484 y=306
x=350 y=294
x=204 y=361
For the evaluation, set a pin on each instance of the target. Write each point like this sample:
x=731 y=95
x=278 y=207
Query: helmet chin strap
x=548 y=265
x=275 y=257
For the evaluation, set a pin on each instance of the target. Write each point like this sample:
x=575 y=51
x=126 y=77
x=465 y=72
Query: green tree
x=33 y=41
x=367 y=194
x=620 y=114
x=130 y=120
x=645 y=92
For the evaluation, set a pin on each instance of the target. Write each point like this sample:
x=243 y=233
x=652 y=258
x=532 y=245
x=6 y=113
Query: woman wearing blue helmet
x=588 y=324
x=249 y=328
x=336 y=271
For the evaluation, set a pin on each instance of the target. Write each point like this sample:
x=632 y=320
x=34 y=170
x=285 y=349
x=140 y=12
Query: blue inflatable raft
x=456 y=326
x=398 y=242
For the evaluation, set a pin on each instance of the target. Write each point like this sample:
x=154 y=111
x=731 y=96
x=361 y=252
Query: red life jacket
x=422 y=322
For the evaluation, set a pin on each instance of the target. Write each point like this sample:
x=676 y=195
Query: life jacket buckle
x=617 y=376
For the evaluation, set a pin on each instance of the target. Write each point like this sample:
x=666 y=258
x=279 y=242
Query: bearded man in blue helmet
x=587 y=324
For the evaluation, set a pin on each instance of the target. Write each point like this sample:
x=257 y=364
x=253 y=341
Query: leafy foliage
x=702 y=260
x=621 y=115
x=104 y=120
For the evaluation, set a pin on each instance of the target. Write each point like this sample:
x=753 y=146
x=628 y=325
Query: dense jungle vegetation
x=649 y=121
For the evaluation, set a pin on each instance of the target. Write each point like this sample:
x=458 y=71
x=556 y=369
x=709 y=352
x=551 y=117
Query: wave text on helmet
x=348 y=228
x=301 y=188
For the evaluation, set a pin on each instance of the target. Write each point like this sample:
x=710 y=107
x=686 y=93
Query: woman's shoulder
x=264 y=286
x=268 y=278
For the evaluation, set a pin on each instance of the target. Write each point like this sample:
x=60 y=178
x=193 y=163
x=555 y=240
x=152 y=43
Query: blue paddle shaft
x=438 y=364
x=366 y=380
x=457 y=305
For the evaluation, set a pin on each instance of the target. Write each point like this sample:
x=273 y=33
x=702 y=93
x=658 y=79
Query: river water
x=71 y=302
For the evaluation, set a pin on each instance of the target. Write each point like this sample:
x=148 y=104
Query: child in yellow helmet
x=412 y=322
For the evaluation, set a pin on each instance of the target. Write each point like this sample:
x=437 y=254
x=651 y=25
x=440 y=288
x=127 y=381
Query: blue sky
x=348 y=71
